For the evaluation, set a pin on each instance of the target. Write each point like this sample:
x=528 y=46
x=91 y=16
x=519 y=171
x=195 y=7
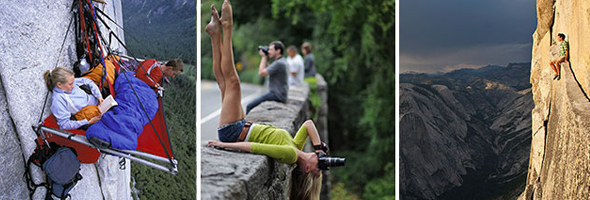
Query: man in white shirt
x=296 y=68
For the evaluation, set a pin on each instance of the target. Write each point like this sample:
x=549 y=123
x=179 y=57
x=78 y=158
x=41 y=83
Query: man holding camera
x=277 y=71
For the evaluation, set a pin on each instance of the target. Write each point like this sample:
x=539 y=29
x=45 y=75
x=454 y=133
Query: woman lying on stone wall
x=235 y=133
x=74 y=100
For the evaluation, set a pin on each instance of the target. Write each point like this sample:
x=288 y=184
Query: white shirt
x=296 y=66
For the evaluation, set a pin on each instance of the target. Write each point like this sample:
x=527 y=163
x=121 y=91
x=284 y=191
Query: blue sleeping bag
x=124 y=123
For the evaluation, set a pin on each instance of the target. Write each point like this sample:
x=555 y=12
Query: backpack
x=61 y=167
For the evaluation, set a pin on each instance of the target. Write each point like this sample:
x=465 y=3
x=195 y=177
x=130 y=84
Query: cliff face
x=463 y=131
x=560 y=155
x=30 y=39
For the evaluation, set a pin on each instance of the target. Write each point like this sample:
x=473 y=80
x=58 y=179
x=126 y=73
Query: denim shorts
x=230 y=132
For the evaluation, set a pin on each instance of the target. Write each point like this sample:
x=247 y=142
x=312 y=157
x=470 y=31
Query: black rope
x=118 y=62
x=56 y=63
x=136 y=96
x=144 y=111
x=64 y=40
x=112 y=33
x=148 y=117
x=109 y=18
x=141 y=104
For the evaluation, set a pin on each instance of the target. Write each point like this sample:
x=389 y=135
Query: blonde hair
x=57 y=75
x=304 y=185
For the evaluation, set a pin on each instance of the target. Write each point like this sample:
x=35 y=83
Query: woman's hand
x=215 y=143
x=94 y=119
x=100 y=100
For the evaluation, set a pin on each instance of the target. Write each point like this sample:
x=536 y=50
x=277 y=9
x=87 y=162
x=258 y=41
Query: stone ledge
x=237 y=175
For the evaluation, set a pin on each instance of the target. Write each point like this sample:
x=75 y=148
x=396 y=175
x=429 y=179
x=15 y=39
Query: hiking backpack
x=61 y=167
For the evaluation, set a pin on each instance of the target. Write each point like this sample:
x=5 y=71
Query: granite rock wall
x=559 y=165
x=31 y=36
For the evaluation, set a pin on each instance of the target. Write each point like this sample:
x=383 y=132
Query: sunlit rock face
x=560 y=154
x=31 y=37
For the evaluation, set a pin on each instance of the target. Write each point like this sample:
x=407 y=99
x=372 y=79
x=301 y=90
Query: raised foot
x=226 y=15
x=213 y=27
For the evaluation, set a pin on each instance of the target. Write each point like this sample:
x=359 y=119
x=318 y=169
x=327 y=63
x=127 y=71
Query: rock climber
x=564 y=55
x=153 y=72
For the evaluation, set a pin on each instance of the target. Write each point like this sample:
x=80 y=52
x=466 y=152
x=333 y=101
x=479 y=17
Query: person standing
x=278 y=75
x=296 y=67
x=309 y=60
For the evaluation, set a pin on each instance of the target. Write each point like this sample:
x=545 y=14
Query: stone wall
x=30 y=39
x=237 y=175
x=560 y=155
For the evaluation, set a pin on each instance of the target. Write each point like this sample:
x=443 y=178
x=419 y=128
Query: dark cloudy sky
x=442 y=35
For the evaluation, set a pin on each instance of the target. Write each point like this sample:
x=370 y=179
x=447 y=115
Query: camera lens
x=335 y=162
x=327 y=162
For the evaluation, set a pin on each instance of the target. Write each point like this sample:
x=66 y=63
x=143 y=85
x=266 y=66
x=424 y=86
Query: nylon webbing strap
x=147 y=116
x=141 y=104
x=98 y=42
x=132 y=88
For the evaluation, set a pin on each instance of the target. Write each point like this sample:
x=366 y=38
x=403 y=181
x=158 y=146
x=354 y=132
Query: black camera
x=325 y=162
x=264 y=49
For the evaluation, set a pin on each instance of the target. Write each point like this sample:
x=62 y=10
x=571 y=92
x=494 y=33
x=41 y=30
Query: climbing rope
x=109 y=51
x=56 y=63
x=86 y=40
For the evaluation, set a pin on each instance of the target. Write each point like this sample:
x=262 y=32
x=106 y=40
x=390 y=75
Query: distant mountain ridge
x=515 y=75
x=465 y=130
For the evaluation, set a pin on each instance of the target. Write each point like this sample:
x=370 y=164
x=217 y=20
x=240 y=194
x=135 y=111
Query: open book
x=107 y=104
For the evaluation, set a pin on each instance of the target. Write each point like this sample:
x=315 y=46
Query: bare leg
x=213 y=30
x=558 y=67
x=231 y=108
x=552 y=63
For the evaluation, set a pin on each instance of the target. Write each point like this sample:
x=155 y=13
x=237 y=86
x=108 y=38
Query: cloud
x=440 y=35
x=467 y=57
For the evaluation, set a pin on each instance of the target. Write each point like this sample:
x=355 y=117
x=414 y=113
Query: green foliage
x=314 y=96
x=382 y=188
x=354 y=46
x=169 y=31
x=253 y=26
x=339 y=192
x=161 y=29
x=179 y=103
